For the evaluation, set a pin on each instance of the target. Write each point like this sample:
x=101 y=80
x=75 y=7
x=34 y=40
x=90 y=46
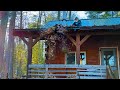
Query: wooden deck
x=62 y=71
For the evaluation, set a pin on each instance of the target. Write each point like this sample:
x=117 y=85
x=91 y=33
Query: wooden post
x=78 y=48
x=29 y=44
x=78 y=43
x=118 y=63
x=46 y=72
x=29 y=54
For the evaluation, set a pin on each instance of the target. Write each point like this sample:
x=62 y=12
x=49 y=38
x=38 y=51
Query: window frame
x=66 y=58
x=75 y=57
x=85 y=56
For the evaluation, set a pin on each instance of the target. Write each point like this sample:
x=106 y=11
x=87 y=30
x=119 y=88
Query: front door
x=109 y=56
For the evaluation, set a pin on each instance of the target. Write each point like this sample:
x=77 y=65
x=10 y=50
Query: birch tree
x=3 y=26
x=10 y=48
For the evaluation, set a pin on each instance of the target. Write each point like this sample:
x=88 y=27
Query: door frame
x=117 y=59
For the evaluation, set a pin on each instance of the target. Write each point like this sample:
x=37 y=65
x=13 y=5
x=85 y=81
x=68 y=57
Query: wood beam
x=30 y=49
x=84 y=39
x=43 y=34
x=78 y=48
x=29 y=54
x=71 y=39
x=96 y=33
x=36 y=40
x=25 y=41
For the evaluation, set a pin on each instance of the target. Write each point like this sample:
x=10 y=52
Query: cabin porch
x=61 y=70
x=106 y=35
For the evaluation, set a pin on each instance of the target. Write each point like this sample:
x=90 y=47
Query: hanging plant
x=57 y=36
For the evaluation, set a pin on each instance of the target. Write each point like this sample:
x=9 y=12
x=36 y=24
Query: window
x=82 y=58
x=71 y=58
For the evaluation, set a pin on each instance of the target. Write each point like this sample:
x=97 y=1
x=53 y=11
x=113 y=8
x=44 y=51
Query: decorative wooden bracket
x=81 y=42
x=25 y=41
x=84 y=39
x=71 y=39
x=32 y=42
x=78 y=43
x=36 y=40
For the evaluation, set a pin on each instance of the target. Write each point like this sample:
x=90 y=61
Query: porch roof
x=86 y=22
x=109 y=26
x=95 y=30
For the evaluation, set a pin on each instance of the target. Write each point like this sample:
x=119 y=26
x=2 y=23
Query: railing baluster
x=46 y=73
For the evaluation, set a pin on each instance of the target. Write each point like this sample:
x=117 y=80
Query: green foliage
x=37 y=55
x=102 y=14
x=20 y=61
x=32 y=25
x=118 y=13
x=93 y=14
x=106 y=15
x=50 y=17
x=20 y=58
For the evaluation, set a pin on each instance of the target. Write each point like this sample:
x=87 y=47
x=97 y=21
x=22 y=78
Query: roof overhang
x=94 y=30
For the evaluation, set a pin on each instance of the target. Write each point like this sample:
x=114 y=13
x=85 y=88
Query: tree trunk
x=69 y=15
x=39 y=19
x=45 y=16
x=58 y=15
x=3 y=26
x=21 y=23
x=21 y=19
x=10 y=48
x=64 y=15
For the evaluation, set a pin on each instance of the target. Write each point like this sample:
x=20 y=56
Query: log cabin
x=94 y=50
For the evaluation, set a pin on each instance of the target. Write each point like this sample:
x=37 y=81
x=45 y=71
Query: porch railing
x=62 y=71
